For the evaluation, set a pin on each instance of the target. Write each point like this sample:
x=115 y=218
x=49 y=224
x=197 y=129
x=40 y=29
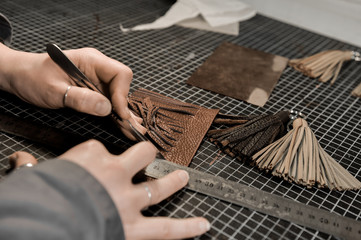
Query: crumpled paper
x=212 y=15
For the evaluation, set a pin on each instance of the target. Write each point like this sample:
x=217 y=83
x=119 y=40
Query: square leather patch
x=242 y=73
x=176 y=127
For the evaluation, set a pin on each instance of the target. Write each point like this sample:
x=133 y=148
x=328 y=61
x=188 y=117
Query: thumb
x=87 y=101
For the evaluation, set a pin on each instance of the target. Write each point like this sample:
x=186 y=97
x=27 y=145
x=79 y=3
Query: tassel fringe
x=299 y=158
x=357 y=91
x=324 y=65
x=246 y=135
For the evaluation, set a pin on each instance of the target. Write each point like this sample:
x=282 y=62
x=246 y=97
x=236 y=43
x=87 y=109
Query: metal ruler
x=204 y=183
x=261 y=201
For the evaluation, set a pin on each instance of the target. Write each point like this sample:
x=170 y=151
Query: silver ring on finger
x=26 y=165
x=149 y=194
x=66 y=94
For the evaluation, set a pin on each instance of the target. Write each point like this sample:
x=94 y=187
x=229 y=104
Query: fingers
x=21 y=158
x=167 y=228
x=160 y=189
x=87 y=153
x=138 y=157
x=87 y=101
x=136 y=122
x=126 y=128
x=97 y=66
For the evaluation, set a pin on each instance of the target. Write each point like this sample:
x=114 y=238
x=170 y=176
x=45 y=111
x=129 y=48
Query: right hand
x=40 y=81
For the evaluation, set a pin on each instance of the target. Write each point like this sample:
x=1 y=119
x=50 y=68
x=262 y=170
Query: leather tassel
x=325 y=65
x=357 y=91
x=245 y=135
x=299 y=158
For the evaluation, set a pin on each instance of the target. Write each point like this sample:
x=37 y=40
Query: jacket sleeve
x=56 y=199
x=5 y=30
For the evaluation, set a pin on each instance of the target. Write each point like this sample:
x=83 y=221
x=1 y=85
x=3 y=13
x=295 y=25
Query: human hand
x=116 y=173
x=36 y=79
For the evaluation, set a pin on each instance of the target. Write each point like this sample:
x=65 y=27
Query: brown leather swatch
x=178 y=128
x=240 y=72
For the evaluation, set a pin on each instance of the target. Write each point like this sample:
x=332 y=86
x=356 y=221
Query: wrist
x=6 y=65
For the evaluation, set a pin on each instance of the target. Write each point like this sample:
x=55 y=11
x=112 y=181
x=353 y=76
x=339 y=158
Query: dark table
x=160 y=60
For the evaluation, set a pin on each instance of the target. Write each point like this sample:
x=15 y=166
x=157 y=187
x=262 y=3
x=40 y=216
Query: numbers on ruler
x=253 y=198
x=290 y=210
x=311 y=217
x=324 y=220
x=214 y=185
x=163 y=171
x=287 y=209
x=206 y=183
x=266 y=202
x=241 y=194
x=166 y=171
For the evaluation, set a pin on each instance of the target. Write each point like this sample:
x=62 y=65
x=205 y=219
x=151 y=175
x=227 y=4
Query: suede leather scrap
x=242 y=73
x=176 y=127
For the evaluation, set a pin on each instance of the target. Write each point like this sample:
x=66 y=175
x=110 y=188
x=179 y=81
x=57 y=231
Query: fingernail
x=184 y=176
x=135 y=117
x=129 y=112
x=204 y=225
x=103 y=108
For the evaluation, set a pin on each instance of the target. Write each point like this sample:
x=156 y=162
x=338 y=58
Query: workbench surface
x=162 y=61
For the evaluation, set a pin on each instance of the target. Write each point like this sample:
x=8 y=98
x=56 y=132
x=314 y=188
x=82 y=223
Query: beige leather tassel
x=299 y=158
x=357 y=91
x=325 y=65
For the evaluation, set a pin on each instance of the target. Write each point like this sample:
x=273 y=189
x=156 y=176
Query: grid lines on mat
x=162 y=61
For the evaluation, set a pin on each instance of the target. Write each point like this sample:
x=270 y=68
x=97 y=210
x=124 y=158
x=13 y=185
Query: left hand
x=115 y=173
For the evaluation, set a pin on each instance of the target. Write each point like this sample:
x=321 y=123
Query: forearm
x=57 y=200
x=15 y=65
x=5 y=39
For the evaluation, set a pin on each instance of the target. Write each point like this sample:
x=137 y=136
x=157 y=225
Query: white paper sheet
x=200 y=23
x=211 y=15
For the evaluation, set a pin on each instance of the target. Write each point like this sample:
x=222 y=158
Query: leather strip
x=324 y=65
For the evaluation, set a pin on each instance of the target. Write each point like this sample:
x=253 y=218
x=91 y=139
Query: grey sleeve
x=57 y=199
x=5 y=30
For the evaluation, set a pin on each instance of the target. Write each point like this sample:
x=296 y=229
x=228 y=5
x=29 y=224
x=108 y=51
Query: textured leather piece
x=243 y=136
x=240 y=72
x=177 y=128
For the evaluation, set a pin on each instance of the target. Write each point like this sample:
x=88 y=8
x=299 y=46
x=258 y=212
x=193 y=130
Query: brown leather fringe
x=245 y=135
x=299 y=158
x=324 y=65
x=177 y=128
